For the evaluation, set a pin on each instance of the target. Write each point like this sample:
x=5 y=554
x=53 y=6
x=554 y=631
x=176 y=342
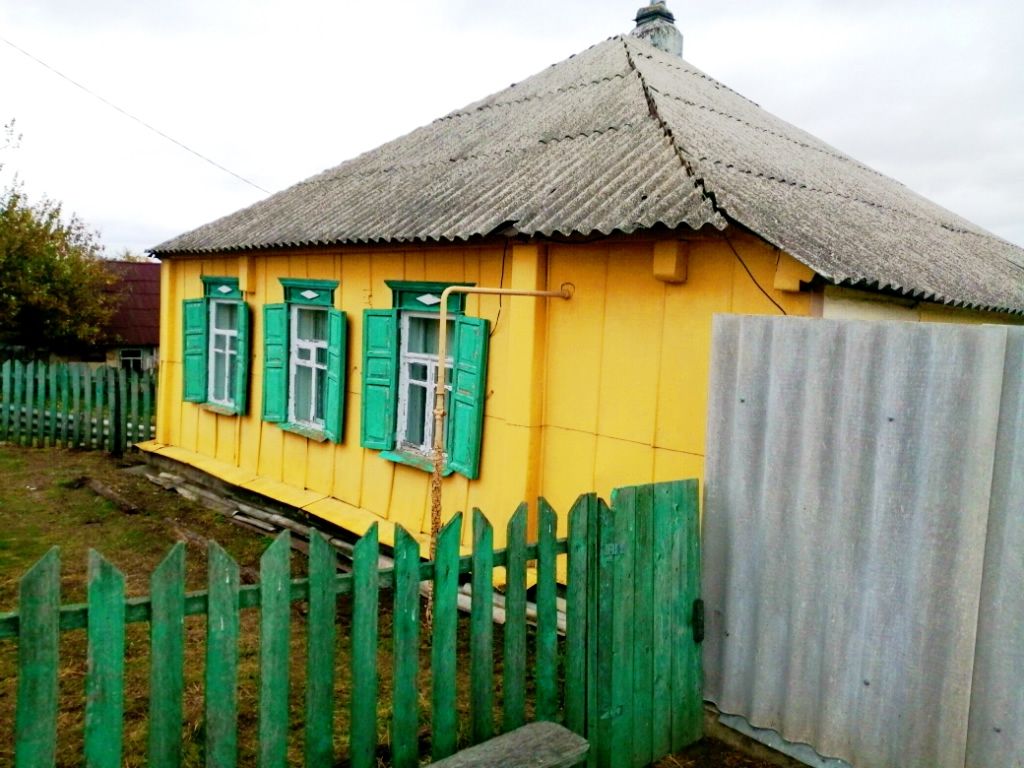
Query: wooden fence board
x=405 y=722
x=104 y=684
x=664 y=517
x=5 y=399
x=275 y=616
x=622 y=633
x=444 y=722
x=642 y=503
x=547 y=615
x=364 y=650
x=35 y=720
x=514 y=661
x=576 y=616
x=222 y=659
x=167 y=659
x=320 y=638
x=690 y=698
x=76 y=391
x=481 y=652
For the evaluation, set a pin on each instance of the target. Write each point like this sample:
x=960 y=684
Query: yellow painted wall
x=606 y=389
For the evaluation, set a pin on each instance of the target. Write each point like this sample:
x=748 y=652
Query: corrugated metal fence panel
x=996 y=736
x=849 y=477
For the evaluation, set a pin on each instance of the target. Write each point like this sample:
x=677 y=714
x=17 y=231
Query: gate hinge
x=609 y=551
x=610 y=714
x=698 y=620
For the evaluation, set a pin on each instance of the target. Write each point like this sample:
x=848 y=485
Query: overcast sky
x=930 y=93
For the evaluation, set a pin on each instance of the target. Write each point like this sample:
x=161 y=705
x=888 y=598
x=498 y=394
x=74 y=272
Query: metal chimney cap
x=656 y=10
x=656 y=24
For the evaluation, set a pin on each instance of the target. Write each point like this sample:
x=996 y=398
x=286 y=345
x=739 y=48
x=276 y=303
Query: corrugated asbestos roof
x=620 y=138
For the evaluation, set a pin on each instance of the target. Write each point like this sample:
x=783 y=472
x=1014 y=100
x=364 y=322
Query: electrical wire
x=140 y=121
x=751 y=275
x=501 y=284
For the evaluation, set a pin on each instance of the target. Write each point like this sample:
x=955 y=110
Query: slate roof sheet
x=620 y=138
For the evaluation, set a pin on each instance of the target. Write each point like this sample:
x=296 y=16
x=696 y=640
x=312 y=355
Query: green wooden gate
x=643 y=625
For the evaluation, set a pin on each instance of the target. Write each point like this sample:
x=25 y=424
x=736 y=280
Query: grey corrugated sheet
x=854 y=472
x=996 y=735
x=620 y=138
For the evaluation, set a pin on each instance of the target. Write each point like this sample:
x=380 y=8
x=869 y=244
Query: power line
x=133 y=117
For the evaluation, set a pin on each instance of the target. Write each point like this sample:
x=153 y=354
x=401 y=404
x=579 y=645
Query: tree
x=52 y=277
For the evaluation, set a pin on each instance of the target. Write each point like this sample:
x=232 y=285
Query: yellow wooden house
x=299 y=336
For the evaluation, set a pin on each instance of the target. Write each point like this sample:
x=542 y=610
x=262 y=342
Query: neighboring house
x=299 y=335
x=134 y=328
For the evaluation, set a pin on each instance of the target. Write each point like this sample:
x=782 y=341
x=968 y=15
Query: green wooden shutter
x=334 y=408
x=380 y=379
x=466 y=402
x=275 y=362
x=196 y=317
x=241 y=389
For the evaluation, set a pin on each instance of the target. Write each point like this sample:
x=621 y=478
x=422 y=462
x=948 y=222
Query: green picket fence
x=595 y=695
x=74 y=405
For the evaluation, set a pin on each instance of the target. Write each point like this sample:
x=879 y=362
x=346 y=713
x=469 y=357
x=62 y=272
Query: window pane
x=219 y=363
x=229 y=394
x=321 y=356
x=312 y=325
x=302 y=353
x=321 y=393
x=225 y=316
x=303 y=395
x=418 y=372
x=423 y=335
x=417 y=412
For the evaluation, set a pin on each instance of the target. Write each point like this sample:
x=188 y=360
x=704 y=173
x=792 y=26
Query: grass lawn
x=42 y=505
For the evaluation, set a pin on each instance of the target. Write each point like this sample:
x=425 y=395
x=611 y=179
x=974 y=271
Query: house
x=299 y=336
x=134 y=327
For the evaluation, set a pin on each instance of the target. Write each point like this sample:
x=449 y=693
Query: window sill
x=415 y=460
x=220 y=410
x=315 y=434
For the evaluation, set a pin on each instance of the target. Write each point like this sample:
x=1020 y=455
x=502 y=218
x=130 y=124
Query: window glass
x=418 y=378
x=225 y=316
x=223 y=352
x=312 y=324
x=308 y=365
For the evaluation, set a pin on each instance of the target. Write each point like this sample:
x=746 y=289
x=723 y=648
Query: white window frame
x=294 y=363
x=230 y=351
x=406 y=359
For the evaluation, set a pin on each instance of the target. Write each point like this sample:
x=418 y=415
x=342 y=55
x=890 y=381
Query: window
x=417 y=381
x=400 y=364
x=304 y=343
x=223 y=352
x=216 y=341
x=131 y=359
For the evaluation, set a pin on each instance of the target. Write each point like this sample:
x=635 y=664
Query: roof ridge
x=694 y=72
x=836 y=154
x=533 y=97
x=698 y=182
x=851 y=198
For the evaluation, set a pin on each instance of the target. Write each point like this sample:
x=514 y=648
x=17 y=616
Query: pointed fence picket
x=630 y=656
x=75 y=406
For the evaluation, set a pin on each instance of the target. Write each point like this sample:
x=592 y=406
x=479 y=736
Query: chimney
x=656 y=24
